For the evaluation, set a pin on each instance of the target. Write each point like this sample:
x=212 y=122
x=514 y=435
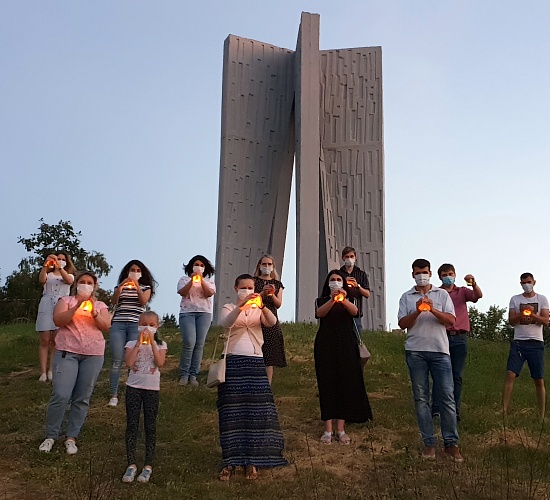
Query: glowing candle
x=424 y=307
x=339 y=298
x=351 y=282
x=144 y=338
x=87 y=305
x=197 y=278
x=129 y=286
x=527 y=312
x=50 y=263
x=255 y=302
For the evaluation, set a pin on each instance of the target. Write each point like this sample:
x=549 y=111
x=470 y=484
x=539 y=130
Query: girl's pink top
x=81 y=335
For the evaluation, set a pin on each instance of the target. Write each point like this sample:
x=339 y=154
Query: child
x=144 y=357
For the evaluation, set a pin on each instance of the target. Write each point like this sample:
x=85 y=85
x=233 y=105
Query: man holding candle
x=425 y=312
x=528 y=313
x=458 y=333
x=358 y=282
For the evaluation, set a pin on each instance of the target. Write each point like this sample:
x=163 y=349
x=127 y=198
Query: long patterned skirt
x=250 y=433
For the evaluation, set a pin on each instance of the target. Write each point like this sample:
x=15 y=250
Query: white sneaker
x=145 y=475
x=113 y=401
x=43 y=378
x=50 y=376
x=184 y=380
x=70 y=446
x=193 y=381
x=130 y=474
x=47 y=445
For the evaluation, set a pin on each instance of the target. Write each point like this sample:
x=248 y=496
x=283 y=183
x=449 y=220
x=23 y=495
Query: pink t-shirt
x=460 y=295
x=81 y=335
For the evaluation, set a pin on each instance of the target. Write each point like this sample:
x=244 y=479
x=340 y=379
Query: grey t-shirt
x=527 y=329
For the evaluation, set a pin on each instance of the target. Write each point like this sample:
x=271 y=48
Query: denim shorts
x=531 y=351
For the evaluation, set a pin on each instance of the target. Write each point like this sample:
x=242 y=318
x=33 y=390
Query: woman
x=342 y=393
x=267 y=284
x=197 y=289
x=57 y=276
x=250 y=433
x=78 y=359
x=136 y=287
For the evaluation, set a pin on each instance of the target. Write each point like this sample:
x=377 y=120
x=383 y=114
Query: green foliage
x=491 y=325
x=169 y=321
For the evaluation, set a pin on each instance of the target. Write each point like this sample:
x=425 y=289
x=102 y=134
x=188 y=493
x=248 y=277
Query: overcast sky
x=110 y=118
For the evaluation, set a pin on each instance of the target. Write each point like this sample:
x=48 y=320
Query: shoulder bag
x=216 y=371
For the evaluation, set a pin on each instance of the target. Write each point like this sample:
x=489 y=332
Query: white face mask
x=266 y=270
x=84 y=290
x=62 y=264
x=335 y=285
x=134 y=276
x=152 y=329
x=244 y=292
x=527 y=287
x=198 y=269
x=422 y=279
x=349 y=262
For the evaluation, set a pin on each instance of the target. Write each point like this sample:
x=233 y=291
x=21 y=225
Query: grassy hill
x=503 y=459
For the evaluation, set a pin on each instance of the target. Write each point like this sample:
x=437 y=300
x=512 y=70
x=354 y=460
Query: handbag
x=364 y=353
x=216 y=371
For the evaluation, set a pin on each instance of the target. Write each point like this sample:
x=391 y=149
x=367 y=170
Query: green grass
x=383 y=461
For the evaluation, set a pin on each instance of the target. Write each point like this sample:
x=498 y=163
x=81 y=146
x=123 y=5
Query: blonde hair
x=274 y=274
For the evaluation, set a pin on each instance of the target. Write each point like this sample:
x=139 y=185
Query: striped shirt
x=128 y=307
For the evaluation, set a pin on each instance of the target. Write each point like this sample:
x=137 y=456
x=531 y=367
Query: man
x=358 y=282
x=527 y=313
x=458 y=333
x=425 y=312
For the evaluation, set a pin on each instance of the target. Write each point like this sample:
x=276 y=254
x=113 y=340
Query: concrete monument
x=319 y=109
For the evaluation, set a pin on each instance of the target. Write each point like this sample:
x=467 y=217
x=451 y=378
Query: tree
x=491 y=325
x=21 y=293
x=169 y=321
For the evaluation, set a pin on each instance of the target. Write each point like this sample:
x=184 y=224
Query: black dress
x=274 y=344
x=338 y=367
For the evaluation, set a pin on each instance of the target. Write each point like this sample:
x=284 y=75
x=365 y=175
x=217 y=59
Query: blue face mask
x=448 y=280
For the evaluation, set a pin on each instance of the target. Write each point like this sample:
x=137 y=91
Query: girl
x=78 y=359
x=267 y=284
x=197 y=290
x=250 y=434
x=57 y=276
x=144 y=357
x=342 y=393
x=136 y=287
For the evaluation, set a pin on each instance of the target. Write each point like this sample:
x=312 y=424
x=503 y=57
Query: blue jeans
x=74 y=379
x=193 y=327
x=358 y=324
x=458 y=346
x=120 y=333
x=421 y=364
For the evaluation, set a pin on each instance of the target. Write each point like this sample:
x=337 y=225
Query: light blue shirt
x=427 y=333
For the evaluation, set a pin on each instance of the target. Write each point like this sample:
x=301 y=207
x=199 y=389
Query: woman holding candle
x=56 y=276
x=267 y=284
x=197 y=289
x=250 y=434
x=342 y=393
x=78 y=359
x=136 y=287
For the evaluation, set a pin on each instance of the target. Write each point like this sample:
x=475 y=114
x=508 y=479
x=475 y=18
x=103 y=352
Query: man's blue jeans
x=193 y=327
x=120 y=333
x=74 y=379
x=437 y=364
x=458 y=347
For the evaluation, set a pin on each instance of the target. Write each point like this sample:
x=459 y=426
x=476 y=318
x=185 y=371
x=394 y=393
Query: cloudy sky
x=110 y=118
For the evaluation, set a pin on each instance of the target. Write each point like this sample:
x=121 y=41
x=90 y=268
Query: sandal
x=251 y=473
x=226 y=473
x=326 y=438
x=343 y=438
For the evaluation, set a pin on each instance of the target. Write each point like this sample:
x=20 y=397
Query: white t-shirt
x=196 y=301
x=527 y=329
x=427 y=333
x=144 y=374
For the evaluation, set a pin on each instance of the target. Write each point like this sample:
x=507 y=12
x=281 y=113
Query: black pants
x=135 y=398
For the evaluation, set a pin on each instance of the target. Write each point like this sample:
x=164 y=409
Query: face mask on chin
x=422 y=279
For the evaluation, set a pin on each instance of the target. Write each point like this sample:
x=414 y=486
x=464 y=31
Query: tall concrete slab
x=308 y=146
x=257 y=155
x=325 y=106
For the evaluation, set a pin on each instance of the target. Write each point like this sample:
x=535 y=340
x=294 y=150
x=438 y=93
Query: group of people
x=437 y=326
x=435 y=319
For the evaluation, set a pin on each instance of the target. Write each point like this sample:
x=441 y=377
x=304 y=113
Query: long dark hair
x=325 y=291
x=146 y=276
x=208 y=267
